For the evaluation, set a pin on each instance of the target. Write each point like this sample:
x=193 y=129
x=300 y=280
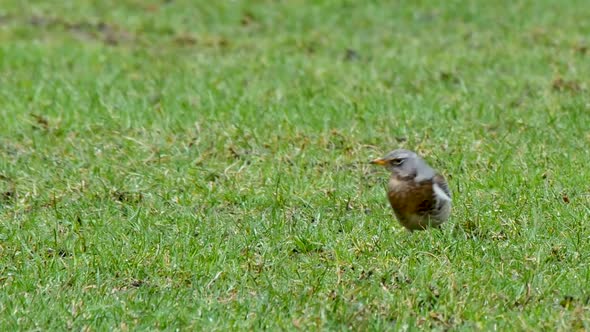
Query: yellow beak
x=379 y=161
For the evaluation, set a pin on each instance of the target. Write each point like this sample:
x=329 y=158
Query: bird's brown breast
x=408 y=197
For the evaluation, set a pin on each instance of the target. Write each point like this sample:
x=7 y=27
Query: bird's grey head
x=405 y=164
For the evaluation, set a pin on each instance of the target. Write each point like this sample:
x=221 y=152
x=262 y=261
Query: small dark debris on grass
x=402 y=279
x=333 y=295
x=349 y=204
x=401 y=139
x=111 y=39
x=524 y=300
x=568 y=301
x=516 y=102
x=222 y=42
x=499 y=236
x=365 y=274
x=230 y=297
x=85 y=26
x=108 y=34
x=185 y=40
x=247 y=19
x=450 y=77
x=61 y=253
x=41 y=122
x=565 y=198
x=471 y=229
x=580 y=49
x=434 y=291
x=212 y=177
x=235 y=153
x=129 y=283
x=306 y=250
x=309 y=47
x=317 y=165
x=137 y=283
x=428 y=302
x=351 y=55
x=557 y=254
x=193 y=142
x=561 y=85
x=304 y=246
x=436 y=316
x=216 y=42
x=329 y=192
x=8 y=196
x=126 y=196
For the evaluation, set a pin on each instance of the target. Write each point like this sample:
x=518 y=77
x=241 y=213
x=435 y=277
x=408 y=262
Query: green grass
x=185 y=165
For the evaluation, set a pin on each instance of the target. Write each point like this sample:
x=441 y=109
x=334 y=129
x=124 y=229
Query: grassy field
x=198 y=166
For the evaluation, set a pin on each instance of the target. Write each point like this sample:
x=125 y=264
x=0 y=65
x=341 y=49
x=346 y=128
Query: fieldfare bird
x=420 y=197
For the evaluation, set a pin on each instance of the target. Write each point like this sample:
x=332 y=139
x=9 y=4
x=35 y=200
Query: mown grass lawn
x=201 y=165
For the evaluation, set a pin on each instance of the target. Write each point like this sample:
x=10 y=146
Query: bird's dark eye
x=396 y=162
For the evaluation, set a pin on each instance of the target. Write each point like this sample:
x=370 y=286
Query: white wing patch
x=440 y=194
